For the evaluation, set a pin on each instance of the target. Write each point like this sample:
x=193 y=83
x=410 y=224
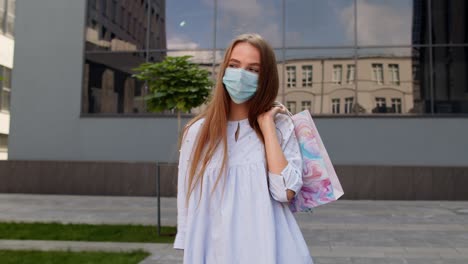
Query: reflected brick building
x=383 y=84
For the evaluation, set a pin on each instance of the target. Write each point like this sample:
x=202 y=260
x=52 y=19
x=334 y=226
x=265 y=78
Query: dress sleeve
x=184 y=163
x=291 y=176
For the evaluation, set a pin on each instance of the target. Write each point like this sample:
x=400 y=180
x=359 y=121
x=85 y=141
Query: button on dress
x=246 y=219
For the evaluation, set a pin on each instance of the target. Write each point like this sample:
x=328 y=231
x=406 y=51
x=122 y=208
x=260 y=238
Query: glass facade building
x=386 y=79
x=354 y=57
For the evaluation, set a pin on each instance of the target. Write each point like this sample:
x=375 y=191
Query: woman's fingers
x=290 y=194
x=279 y=108
x=282 y=109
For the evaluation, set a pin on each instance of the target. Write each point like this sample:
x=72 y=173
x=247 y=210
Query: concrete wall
x=396 y=141
x=46 y=122
x=141 y=179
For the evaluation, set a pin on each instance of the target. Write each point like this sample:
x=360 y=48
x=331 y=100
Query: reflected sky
x=319 y=23
x=308 y=22
x=383 y=22
x=189 y=24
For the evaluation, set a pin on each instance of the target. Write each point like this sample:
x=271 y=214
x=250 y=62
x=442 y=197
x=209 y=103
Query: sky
x=319 y=23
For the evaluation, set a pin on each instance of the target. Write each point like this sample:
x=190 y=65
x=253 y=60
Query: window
x=381 y=105
x=350 y=74
x=377 y=73
x=291 y=74
x=135 y=28
x=103 y=7
x=3 y=142
x=7 y=77
x=394 y=74
x=129 y=20
x=10 y=17
x=5 y=89
x=380 y=102
x=396 y=105
x=11 y=7
x=94 y=24
x=349 y=101
x=306 y=105
x=291 y=106
x=118 y=14
x=2 y=15
x=307 y=76
x=7 y=16
x=103 y=32
x=337 y=73
x=114 y=10
x=123 y=18
x=336 y=105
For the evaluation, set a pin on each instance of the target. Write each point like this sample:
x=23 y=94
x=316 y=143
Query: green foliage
x=86 y=232
x=174 y=83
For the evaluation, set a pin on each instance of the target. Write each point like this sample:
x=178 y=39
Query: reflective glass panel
x=245 y=16
x=318 y=80
x=390 y=81
x=381 y=22
x=449 y=21
x=319 y=23
x=450 y=80
x=189 y=24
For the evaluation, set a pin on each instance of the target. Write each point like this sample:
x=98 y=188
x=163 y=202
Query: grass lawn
x=86 y=232
x=67 y=257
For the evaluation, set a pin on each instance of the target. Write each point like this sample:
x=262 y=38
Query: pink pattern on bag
x=320 y=182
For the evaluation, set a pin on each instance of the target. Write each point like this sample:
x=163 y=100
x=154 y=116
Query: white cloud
x=182 y=43
x=246 y=16
x=245 y=9
x=378 y=24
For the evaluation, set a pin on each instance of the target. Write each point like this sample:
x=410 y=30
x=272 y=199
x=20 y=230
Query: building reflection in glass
x=118 y=36
x=337 y=57
x=343 y=85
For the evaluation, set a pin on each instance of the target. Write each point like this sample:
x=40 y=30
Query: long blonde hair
x=213 y=131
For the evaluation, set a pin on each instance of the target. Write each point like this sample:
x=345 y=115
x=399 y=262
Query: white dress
x=251 y=221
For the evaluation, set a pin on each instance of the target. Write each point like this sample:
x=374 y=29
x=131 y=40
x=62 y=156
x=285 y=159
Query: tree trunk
x=178 y=122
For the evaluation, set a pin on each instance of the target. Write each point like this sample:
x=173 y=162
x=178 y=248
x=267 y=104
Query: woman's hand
x=290 y=194
x=267 y=119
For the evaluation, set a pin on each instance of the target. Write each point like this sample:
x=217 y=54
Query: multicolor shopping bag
x=320 y=182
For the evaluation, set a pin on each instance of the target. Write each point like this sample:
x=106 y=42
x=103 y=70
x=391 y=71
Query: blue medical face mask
x=240 y=84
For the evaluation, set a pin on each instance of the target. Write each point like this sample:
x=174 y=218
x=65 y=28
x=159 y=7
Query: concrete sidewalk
x=342 y=232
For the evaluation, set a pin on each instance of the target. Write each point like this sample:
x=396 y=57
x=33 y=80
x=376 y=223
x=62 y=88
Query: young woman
x=239 y=166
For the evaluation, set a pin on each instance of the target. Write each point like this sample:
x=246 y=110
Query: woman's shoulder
x=192 y=129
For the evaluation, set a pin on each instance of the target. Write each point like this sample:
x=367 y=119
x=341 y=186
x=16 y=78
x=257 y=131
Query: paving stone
x=391 y=232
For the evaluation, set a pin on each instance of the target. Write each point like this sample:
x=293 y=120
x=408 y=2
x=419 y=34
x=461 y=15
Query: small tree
x=174 y=84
